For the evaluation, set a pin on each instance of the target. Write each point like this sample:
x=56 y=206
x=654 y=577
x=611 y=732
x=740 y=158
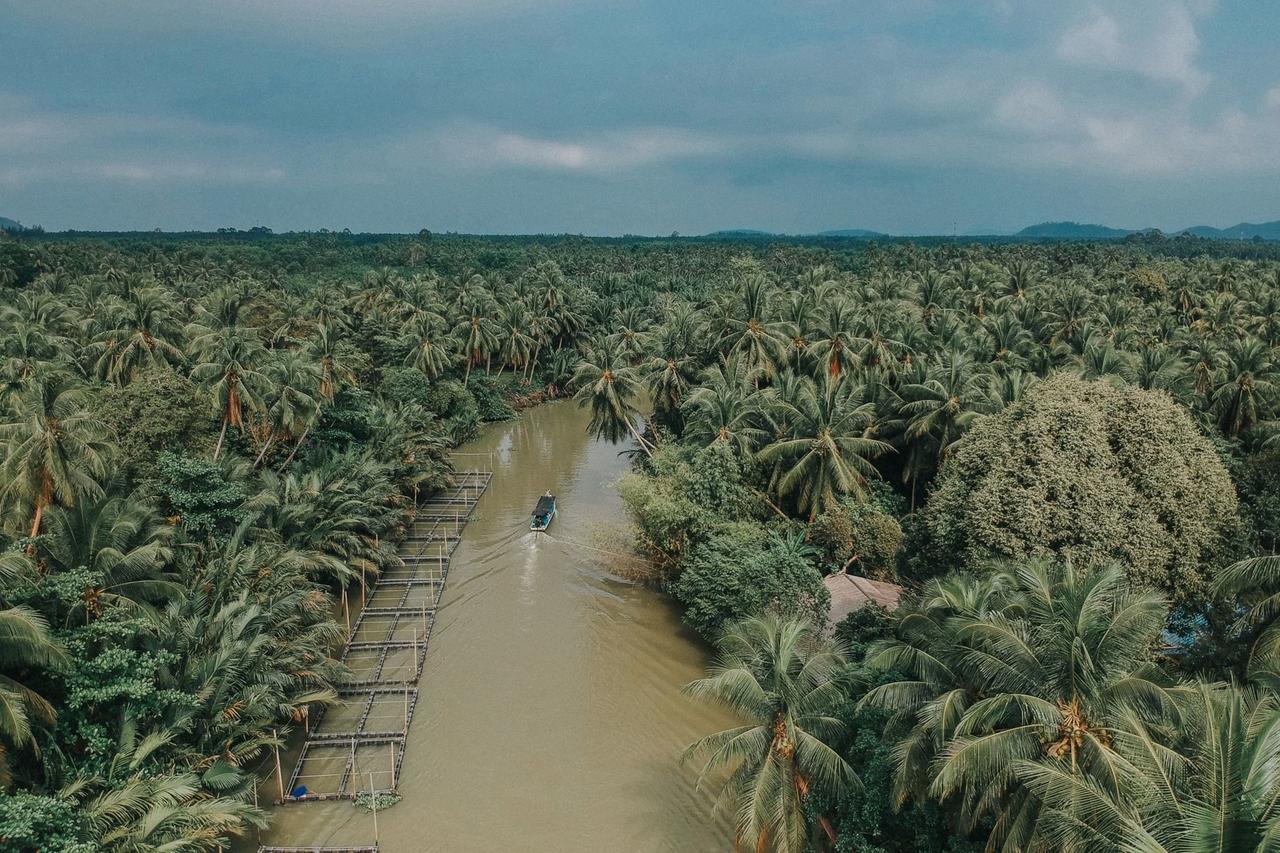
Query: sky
x=638 y=116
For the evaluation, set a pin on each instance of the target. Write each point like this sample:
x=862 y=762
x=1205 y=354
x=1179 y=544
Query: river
x=549 y=717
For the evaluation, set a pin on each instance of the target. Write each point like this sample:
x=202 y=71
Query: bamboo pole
x=393 y=764
x=406 y=711
x=362 y=587
x=373 y=801
x=279 y=772
x=346 y=611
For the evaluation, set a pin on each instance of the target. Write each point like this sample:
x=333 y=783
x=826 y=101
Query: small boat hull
x=543 y=514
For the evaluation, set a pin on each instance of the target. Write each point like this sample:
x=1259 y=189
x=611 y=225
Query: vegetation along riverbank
x=1064 y=453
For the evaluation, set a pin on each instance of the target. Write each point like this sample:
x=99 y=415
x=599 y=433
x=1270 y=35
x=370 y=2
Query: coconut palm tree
x=145 y=334
x=337 y=368
x=476 y=335
x=122 y=541
x=1208 y=783
x=55 y=449
x=937 y=411
x=783 y=677
x=295 y=387
x=1040 y=664
x=609 y=387
x=226 y=368
x=135 y=805
x=835 y=337
x=829 y=449
x=428 y=353
x=25 y=645
x=1248 y=387
x=750 y=332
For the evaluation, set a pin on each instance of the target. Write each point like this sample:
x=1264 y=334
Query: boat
x=543 y=512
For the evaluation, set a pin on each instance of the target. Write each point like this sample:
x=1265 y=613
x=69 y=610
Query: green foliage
x=1258 y=480
x=198 y=494
x=17 y=264
x=456 y=408
x=34 y=823
x=859 y=537
x=159 y=408
x=491 y=397
x=739 y=571
x=1093 y=473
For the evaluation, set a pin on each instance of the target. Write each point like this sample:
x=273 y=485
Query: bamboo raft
x=373 y=849
x=359 y=745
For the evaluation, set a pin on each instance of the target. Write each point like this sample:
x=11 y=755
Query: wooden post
x=373 y=801
x=306 y=719
x=393 y=765
x=415 y=648
x=406 y=711
x=279 y=772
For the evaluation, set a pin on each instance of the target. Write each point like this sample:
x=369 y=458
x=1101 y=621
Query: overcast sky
x=638 y=116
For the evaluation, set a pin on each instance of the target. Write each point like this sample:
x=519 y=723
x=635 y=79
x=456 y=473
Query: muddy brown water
x=550 y=717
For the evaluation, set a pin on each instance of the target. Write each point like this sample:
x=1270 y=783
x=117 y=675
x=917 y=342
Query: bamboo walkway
x=358 y=746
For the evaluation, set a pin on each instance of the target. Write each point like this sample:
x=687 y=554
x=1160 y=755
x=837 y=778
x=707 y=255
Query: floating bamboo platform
x=361 y=741
x=373 y=849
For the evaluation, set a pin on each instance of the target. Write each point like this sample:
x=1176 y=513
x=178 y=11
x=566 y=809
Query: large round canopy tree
x=1090 y=472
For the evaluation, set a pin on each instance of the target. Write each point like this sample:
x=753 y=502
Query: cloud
x=1155 y=40
x=1271 y=100
x=481 y=147
x=40 y=145
x=279 y=19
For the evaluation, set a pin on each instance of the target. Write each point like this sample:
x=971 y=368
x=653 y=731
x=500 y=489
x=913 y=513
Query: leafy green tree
x=1092 y=473
x=738 y=571
x=198 y=494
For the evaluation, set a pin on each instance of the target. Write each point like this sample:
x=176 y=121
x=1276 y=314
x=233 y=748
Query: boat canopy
x=545 y=504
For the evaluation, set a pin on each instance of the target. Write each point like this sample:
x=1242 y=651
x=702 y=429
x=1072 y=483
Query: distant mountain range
x=1077 y=231
x=1042 y=231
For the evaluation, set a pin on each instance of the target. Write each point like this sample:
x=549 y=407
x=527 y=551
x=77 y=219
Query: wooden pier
x=358 y=745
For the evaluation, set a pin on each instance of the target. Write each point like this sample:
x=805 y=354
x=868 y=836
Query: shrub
x=491 y=397
x=740 y=571
x=198 y=493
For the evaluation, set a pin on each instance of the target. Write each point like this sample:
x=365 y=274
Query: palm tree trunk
x=35 y=523
x=221 y=435
x=265 y=447
x=466 y=377
x=301 y=439
x=644 y=445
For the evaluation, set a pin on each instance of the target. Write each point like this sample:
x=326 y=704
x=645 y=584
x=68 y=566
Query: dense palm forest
x=1064 y=452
